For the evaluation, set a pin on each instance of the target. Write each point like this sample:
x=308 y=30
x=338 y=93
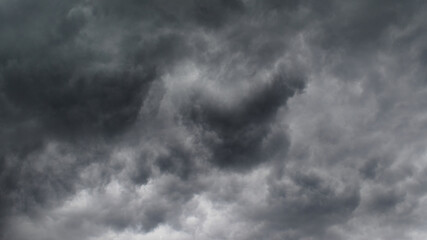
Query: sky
x=213 y=120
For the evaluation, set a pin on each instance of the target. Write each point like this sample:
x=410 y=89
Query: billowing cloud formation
x=216 y=119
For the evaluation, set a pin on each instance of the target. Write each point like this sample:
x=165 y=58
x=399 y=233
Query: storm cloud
x=213 y=119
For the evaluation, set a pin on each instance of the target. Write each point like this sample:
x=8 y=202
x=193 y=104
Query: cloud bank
x=237 y=119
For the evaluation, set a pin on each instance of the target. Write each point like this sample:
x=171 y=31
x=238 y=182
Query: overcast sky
x=213 y=120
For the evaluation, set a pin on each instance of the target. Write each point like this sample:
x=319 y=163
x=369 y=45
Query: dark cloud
x=365 y=23
x=54 y=88
x=240 y=119
x=312 y=209
x=104 y=102
x=235 y=134
x=216 y=13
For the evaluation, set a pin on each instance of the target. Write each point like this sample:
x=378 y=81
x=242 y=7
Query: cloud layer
x=216 y=119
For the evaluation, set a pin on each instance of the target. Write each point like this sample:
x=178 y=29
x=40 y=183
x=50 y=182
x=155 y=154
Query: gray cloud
x=236 y=134
x=237 y=119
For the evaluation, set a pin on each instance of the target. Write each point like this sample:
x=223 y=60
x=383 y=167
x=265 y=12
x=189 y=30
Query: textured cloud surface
x=213 y=119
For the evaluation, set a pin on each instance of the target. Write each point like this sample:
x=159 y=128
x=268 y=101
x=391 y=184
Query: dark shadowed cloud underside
x=213 y=119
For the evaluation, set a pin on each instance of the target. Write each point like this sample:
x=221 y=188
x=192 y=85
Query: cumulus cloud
x=239 y=119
